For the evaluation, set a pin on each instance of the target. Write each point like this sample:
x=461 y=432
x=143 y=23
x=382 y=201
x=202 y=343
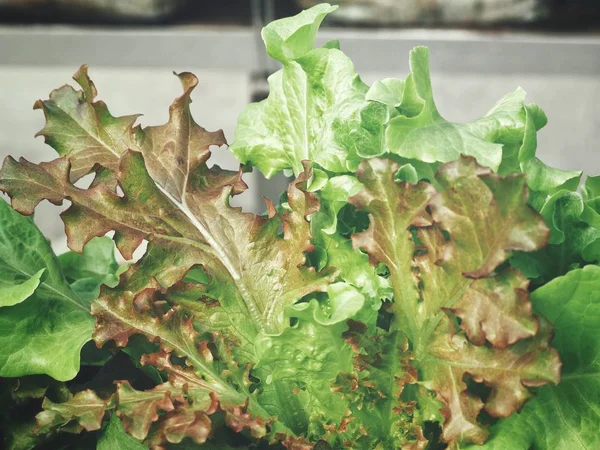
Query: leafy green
x=84 y=131
x=13 y=293
x=293 y=37
x=591 y=195
x=417 y=128
x=565 y=416
x=87 y=271
x=401 y=295
x=334 y=194
x=43 y=322
x=573 y=242
x=504 y=139
x=309 y=355
x=188 y=221
x=316 y=109
x=484 y=216
x=114 y=437
x=85 y=407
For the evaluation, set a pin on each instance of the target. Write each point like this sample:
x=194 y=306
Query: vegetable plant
x=421 y=284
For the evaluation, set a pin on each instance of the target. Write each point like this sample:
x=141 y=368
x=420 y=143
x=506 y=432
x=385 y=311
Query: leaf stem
x=405 y=302
x=253 y=309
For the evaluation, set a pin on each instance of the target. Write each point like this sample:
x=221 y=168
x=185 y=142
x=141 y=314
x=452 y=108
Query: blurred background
x=480 y=50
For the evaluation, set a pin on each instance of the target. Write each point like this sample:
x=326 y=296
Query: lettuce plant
x=421 y=284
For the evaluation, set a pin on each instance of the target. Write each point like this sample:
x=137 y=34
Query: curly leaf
x=504 y=139
x=307 y=357
x=118 y=315
x=185 y=403
x=86 y=409
x=563 y=417
x=171 y=411
x=335 y=250
x=316 y=108
x=435 y=245
x=355 y=268
x=138 y=410
x=198 y=227
x=184 y=423
x=383 y=371
x=497 y=310
x=173 y=152
x=293 y=37
x=83 y=130
x=573 y=241
x=333 y=196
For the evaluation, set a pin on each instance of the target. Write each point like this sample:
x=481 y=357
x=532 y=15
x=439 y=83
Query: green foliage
x=114 y=437
x=44 y=323
x=420 y=285
x=563 y=416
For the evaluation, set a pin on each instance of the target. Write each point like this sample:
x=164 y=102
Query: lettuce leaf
x=442 y=251
x=172 y=199
x=114 y=437
x=308 y=356
x=43 y=322
x=573 y=241
x=83 y=130
x=316 y=109
x=400 y=302
x=186 y=216
x=96 y=266
x=504 y=139
x=565 y=416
